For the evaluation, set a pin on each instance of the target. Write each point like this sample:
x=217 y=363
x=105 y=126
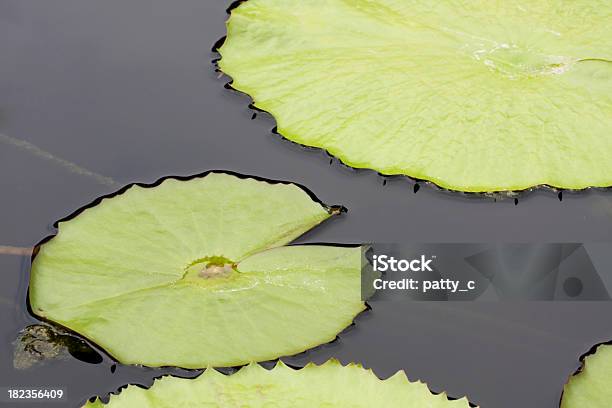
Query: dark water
x=126 y=90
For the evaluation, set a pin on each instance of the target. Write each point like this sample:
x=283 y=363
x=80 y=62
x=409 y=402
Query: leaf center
x=211 y=267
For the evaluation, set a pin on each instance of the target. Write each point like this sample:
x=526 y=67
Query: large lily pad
x=591 y=387
x=195 y=273
x=328 y=385
x=474 y=96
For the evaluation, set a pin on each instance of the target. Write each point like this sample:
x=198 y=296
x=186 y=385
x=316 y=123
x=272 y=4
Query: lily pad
x=195 y=273
x=478 y=96
x=591 y=386
x=328 y=385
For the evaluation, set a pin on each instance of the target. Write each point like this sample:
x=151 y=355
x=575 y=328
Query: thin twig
x=72 y=167
x=17 y=251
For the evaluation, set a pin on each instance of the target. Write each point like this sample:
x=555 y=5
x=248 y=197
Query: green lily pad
x=475 y=96
x=328 y=385
x=591 y=386
x=196 y=273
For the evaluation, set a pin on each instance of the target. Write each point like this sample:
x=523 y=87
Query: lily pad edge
x=582 y=361
x=280 y=364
